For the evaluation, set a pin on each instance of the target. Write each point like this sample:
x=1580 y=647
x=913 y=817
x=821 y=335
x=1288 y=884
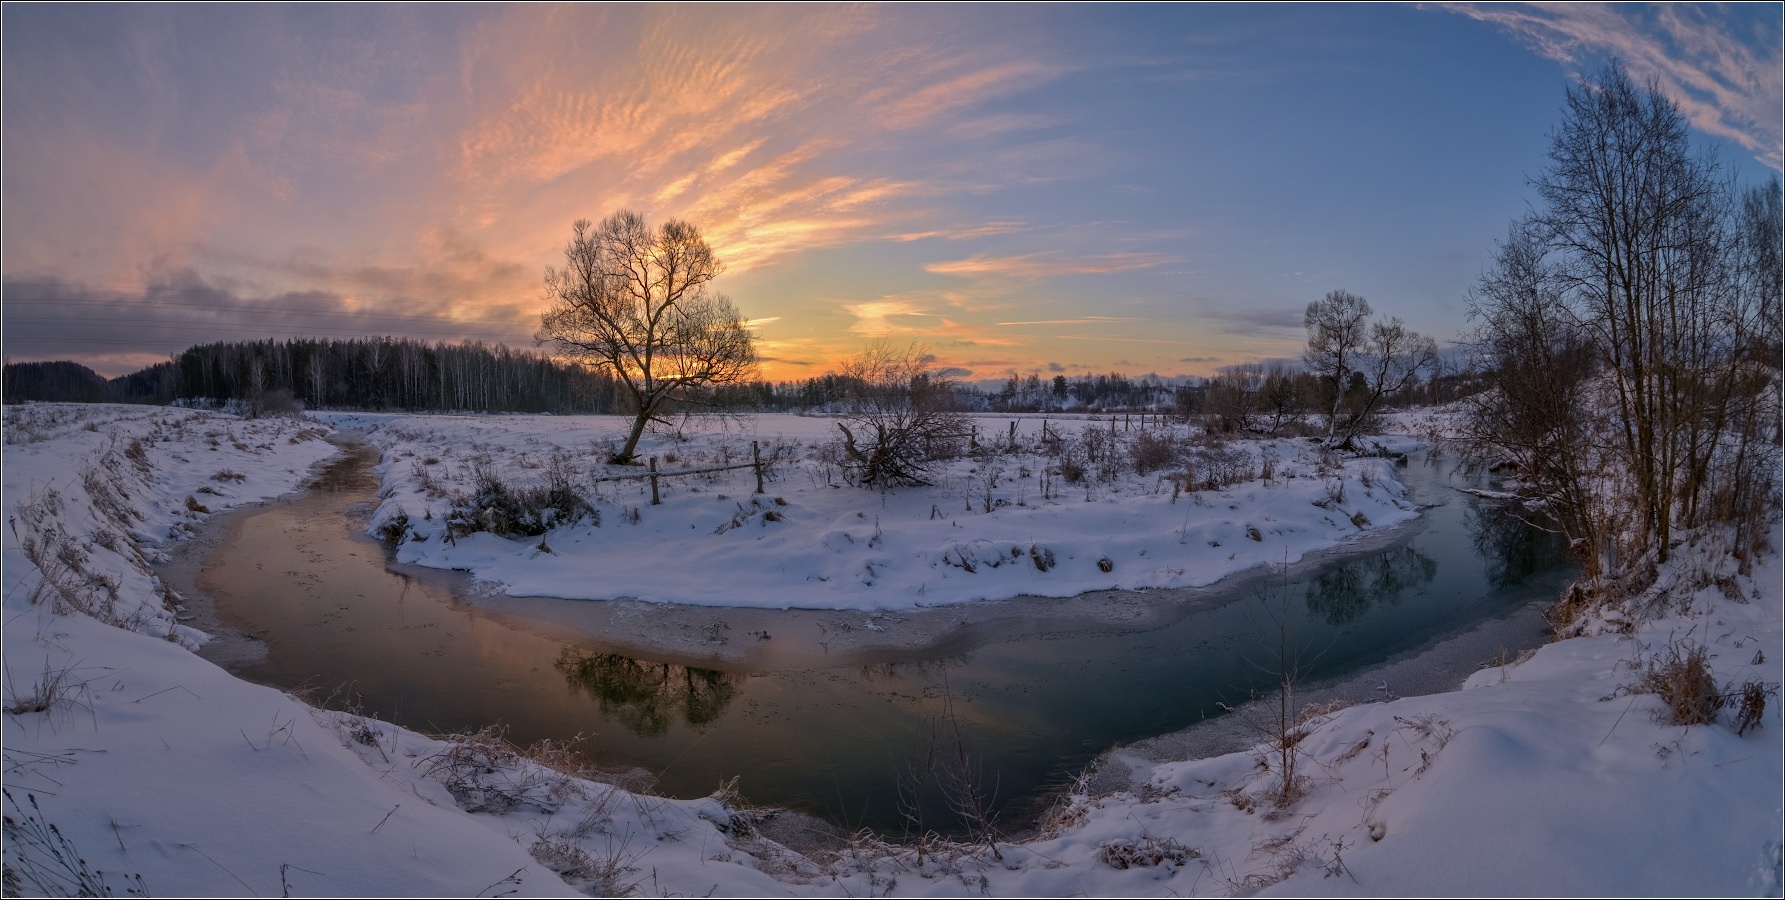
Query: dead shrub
x=602 y=876
x=1681 y=675
x=1153 y=451
x=1216 y=467
x=486 y=773
x=1127 y=853
x=505 y=509
x=393 y=529
x=899 y=420
x=1751 y=704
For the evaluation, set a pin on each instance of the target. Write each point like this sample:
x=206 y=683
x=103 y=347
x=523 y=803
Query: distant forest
x=400 y=374
x=370 y=374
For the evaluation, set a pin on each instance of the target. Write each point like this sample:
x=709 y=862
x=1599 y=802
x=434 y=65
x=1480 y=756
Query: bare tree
x=633 y=300
x=903 y=417
x=1234 y=397
x=1336 y=332
x=1391 y=363
x=1281 y=398
x=1365 y=364
x=1538 y=411
x=1630 y=328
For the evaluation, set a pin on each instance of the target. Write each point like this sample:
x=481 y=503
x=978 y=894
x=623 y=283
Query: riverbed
x=849 y=716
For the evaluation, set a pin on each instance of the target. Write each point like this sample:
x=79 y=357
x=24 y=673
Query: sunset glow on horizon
x=1022 y=189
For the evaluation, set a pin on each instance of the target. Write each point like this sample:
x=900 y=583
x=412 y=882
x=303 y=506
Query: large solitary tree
x=634 y=300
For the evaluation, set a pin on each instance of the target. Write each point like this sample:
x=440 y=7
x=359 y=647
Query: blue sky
x=1049 y=188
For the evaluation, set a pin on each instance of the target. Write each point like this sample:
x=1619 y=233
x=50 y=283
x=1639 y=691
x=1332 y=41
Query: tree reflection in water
x=1344 y=594
x=1513 y=545
x=921 y=670
x=646 y=697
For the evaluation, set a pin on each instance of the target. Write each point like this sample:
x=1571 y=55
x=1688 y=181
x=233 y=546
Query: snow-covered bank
x=1001 y=523
x=151 y=762
x=1545 y=776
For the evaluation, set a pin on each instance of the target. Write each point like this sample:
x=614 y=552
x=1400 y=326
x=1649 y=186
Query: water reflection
x=1028 y=701
x=1344 y=594
x=646 y=697
x=922 y=670
x=1511 y=548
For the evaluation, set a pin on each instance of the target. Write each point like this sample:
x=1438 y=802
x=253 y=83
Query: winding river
x=832 y=713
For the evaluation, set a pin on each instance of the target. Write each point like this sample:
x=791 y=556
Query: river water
x=842 y=714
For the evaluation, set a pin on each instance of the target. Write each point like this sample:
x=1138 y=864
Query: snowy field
x=1543 y=776
x=996 y=524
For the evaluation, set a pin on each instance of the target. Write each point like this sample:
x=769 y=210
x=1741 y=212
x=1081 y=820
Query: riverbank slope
x=1546 y=776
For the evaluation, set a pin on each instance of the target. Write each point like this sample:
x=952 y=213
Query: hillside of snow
x=162 y=773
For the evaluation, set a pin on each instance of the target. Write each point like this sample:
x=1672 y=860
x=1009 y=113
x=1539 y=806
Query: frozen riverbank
x=154 y=762
x=1044 y=511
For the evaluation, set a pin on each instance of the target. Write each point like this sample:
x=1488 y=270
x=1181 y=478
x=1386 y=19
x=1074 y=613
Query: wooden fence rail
x=653 y=474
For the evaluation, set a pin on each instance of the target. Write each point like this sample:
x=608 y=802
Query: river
x=843 y=714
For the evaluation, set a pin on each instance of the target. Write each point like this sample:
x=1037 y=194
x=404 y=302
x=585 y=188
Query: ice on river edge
x=1544 y=776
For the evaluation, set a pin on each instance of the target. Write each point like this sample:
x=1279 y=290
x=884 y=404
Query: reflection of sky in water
x=1031 y=706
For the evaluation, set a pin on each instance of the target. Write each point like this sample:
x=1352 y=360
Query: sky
x=1053 y=189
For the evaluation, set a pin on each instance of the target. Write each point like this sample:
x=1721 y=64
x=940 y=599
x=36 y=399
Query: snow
x=814 y=542
x=1547 y=775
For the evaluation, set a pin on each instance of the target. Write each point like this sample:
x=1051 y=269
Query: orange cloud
x=935 y=101
x=1033 y=266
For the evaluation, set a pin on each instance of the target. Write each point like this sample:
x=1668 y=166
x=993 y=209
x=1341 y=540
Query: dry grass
x=601 y=874
x=1681 y=675
x=1751 y=704
x=53 y=689
x=41 y=861
x=1127 y=853
x=486 y=773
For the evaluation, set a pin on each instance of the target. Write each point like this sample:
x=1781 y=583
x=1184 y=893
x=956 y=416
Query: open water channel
x=831 y=712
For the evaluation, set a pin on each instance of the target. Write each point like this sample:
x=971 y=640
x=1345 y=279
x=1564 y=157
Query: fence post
x=654 y=500
x=756 y=456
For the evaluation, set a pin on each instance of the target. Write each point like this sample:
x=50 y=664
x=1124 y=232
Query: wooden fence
x=653 y=474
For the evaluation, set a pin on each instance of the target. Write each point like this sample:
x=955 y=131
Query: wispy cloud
x=962 y=233
x=937 y=100
x=1081 y=320
x=1727 y=84
x=879 y=318
x=1033 y=266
